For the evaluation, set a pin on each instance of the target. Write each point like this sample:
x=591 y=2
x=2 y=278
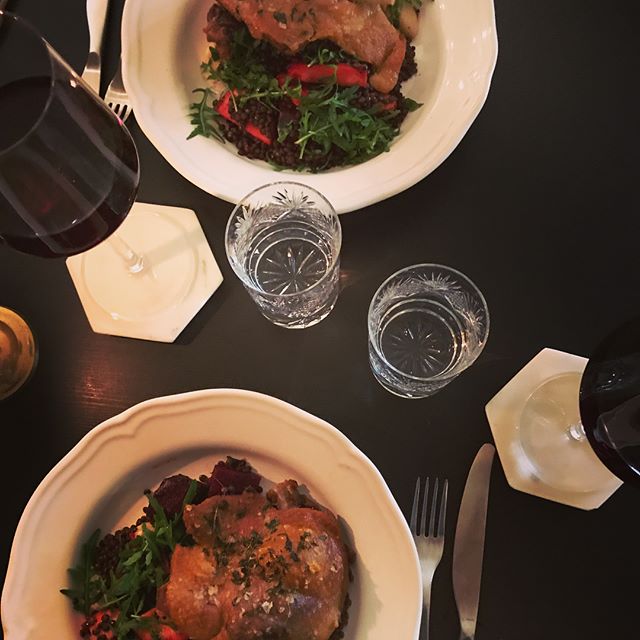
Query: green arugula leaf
x=85 y=583
x=203 y=117
x=411 y=105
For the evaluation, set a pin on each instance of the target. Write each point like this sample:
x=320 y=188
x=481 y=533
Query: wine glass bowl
x=610 y=401
x=69 y=167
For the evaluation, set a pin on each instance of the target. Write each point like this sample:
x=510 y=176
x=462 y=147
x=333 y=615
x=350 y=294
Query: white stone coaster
x=524 y=417
x=178 y=276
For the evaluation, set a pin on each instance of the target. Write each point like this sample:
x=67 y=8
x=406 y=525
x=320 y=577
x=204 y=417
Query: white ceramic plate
x=99 y=483
x=164 y=45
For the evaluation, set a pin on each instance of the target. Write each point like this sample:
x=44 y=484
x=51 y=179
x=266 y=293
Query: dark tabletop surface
x=537 y=205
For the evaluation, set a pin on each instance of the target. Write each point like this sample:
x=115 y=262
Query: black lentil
x=109 y=548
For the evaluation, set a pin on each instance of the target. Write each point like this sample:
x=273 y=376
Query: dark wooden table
x=538 y=205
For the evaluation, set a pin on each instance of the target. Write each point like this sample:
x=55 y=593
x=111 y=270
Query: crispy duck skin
x=359 y=28
x=262 y=567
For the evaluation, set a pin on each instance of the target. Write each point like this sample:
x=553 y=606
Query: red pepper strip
x=388 y=106
x=223 y=109
x=252 y=130
x=345 y=74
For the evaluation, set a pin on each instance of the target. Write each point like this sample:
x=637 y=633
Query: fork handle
x=96 y=19
x=426 y=610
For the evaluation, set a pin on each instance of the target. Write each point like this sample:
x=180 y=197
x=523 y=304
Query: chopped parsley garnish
x=237 y=577
x=303 y=543
x=253 y=540
x=272 y=524
x=280 y=17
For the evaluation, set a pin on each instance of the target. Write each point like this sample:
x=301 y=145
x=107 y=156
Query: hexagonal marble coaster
x=534 y=401
x=157 y=301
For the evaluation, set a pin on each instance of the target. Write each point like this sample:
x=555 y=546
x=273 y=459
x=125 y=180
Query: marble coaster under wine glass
x=530 y=417
x=178 y=275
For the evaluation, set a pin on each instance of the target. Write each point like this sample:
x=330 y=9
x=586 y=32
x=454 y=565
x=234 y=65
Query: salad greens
x=328 y=115
x=142 y=566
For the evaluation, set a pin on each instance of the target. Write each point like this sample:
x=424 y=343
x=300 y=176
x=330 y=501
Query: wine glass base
x=529 y=419
x=560 y=459
x=179 y=274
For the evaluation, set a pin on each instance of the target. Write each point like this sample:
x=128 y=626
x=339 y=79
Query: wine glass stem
x=133 y=261
x=576 y=432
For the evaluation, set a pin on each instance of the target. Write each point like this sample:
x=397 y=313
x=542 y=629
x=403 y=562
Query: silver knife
x=96 y=19
x=468 y=546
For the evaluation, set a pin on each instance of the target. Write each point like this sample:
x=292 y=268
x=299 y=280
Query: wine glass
x=69 y=174
x=610 y=401
x=69 y=169
x=576 y=430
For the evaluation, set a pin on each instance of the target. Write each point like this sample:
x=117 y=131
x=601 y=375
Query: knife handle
x=96 y=19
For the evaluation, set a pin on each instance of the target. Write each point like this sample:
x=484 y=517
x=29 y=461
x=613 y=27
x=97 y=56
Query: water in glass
x=283 y=241
x=426 y=324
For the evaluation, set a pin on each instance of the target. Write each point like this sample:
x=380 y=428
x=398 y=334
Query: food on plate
x=307 y=84
x=217 y=559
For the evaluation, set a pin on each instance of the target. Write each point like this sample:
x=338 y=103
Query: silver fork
x=116 y=97
x=430 y=544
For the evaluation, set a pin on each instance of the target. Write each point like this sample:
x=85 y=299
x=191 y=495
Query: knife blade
x=468 y=546
x=96 y=19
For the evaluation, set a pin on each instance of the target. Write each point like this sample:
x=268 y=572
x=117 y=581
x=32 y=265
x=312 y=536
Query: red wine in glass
x=610 y=401
x=68 y=167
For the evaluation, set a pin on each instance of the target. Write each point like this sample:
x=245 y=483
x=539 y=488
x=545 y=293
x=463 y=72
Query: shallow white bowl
x=100 y=483
x=164 y=45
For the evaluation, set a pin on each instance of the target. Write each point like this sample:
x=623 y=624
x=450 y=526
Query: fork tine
x=443 y=509
x=414 y=510
x=432 y=514
x=423 y=516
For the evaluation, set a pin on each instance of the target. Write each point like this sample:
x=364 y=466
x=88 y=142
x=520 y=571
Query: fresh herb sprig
x=203 y=116
x=86 y=585
x=329 y=118
x=325 y=55
x=143 y=566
